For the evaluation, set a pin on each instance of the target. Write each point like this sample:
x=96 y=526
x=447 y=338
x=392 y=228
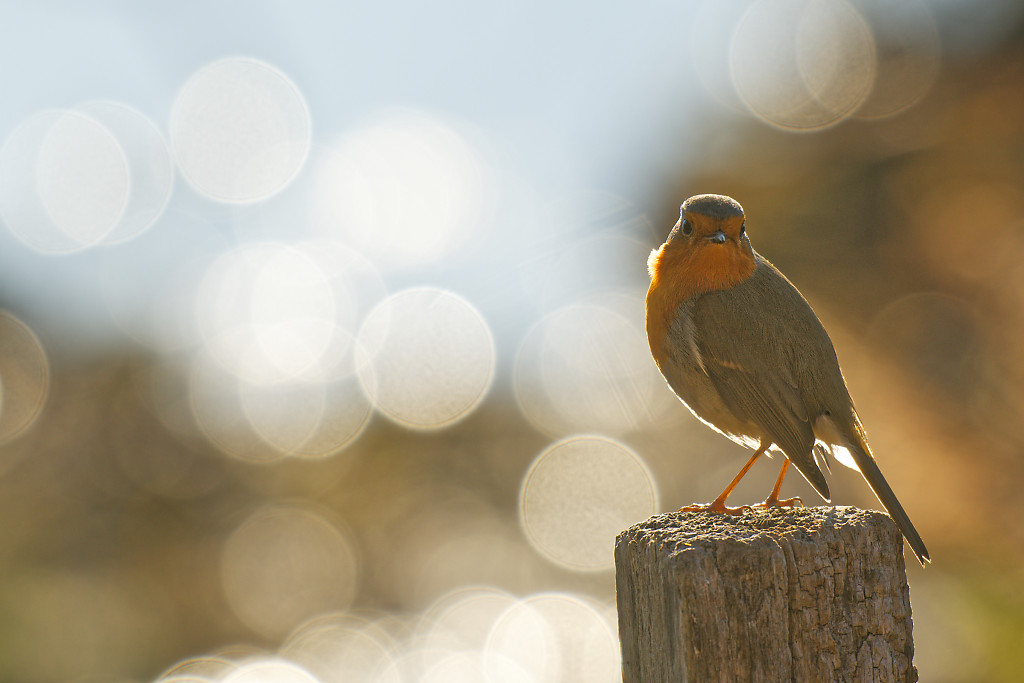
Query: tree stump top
x=834 y=525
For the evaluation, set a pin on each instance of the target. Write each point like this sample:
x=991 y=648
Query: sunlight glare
x=405 y=190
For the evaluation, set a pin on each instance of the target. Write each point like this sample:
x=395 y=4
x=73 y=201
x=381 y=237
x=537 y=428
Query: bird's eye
x=687 y=227
x=743 y=230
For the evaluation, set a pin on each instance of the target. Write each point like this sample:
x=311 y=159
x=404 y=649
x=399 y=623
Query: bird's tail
x=866 y=464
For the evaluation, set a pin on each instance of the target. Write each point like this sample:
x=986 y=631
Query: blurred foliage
x=906 y=234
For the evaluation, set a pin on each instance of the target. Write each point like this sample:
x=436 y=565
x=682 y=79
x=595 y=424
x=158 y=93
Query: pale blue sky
x=569 y=100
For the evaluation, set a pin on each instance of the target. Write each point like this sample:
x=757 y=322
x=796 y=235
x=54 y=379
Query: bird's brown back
x=772 y=363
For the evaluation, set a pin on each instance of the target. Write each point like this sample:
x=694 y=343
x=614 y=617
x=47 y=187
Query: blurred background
x=322 y=353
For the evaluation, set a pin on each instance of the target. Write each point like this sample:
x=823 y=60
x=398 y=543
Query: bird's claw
x=772 y=502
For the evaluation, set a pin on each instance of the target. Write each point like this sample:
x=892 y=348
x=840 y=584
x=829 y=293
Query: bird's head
x=707 y=248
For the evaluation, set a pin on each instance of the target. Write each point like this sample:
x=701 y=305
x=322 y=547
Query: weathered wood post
x=811 y=594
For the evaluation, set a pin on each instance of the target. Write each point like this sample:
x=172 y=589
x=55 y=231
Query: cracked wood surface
x=811 y=594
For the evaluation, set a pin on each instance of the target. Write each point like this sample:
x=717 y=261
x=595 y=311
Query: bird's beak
x=718 y=237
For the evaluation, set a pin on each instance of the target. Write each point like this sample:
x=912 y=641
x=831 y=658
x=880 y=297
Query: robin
x=741 y=347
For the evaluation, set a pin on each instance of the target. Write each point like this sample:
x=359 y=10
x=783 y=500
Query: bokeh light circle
x=462 y=617
x=198 y=670
x=307 y=419
x=909 y=55
x=428 y=357
x=269 y=670
x=64 y=182
x=802 y=64
x=586 y=367
x=149 y=165
x=24 y=377
x=578 y=494
x=267 y=312
x=557 y=637
x=405 y=190
x=473 y=667
x=240 y=130
x=285 y=564
x=342 y=648
x=215 y=404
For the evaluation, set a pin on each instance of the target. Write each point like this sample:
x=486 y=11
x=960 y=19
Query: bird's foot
x=773 y=502
x=718 y=506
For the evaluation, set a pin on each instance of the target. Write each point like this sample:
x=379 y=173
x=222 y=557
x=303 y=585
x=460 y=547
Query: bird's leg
x=773 y=499
x=718 y=504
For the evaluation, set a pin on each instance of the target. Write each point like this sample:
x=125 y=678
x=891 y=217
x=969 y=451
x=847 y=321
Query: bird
x=743 y=350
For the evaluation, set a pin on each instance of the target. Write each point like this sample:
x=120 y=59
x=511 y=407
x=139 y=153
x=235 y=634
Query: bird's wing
x=751 y=359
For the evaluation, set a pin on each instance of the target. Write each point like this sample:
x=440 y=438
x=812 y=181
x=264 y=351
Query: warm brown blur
x=443 y=506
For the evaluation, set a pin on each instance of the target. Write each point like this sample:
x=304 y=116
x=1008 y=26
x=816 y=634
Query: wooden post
x=811 y=594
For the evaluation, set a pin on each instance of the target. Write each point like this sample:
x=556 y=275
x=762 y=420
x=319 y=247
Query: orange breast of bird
x=679 y=276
